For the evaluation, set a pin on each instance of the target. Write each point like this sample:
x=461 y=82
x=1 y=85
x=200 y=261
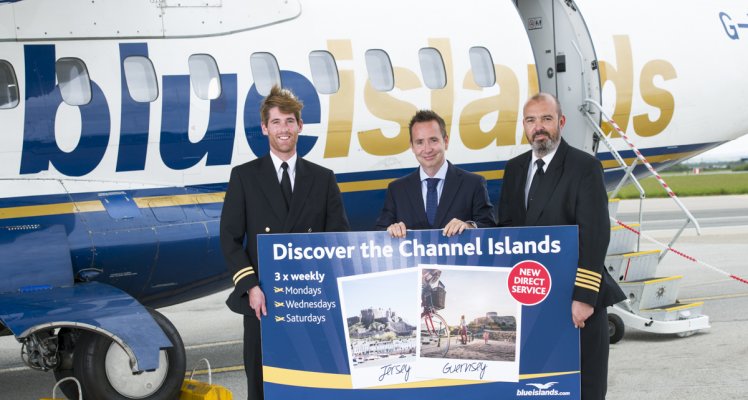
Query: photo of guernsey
x=485 y=314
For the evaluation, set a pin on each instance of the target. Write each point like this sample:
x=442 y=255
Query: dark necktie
x=536 y=179
x=286 y=185
x=432 y=199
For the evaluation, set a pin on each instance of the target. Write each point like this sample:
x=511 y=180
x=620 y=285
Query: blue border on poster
x=309 y=361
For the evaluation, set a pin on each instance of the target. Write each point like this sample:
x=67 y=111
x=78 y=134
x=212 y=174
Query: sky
x=730 y=151
x=396 y=290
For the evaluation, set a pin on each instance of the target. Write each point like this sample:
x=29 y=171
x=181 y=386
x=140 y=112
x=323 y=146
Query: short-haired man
x=437 y=195
x=277 y=193
x=556 y=184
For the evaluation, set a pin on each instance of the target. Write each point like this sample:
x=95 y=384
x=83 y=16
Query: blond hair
x=284 y=99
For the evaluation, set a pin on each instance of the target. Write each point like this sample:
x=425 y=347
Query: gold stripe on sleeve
x=242 y=273
x=582 y=285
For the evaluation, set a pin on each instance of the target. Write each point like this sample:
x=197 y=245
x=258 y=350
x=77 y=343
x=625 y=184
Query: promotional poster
x=481 y=315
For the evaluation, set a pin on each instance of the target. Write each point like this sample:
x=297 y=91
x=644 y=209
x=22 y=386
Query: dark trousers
x=594 y=346
x=253 y=357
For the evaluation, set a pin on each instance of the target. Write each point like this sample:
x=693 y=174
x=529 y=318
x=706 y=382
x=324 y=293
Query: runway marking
x=720 y=297
x=700 y=284
x=14 y=369
x=216 y=370
x=214 y=344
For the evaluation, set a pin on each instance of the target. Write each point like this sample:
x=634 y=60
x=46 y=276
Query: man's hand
x=455 y=227
x=580 y=312
x=257 y=301
x=397 y=230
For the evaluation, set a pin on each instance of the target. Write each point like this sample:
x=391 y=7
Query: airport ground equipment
x=652 y=303
x=193 y=389
x=567 y=66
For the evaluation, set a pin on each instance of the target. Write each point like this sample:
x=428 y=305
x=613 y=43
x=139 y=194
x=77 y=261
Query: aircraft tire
x=67 y=340
x=616 y=328
x=102 y=368
x=69 y=389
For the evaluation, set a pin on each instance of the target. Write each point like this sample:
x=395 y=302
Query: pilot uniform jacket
x=572 y=192
x=254 y=205
x=464 y=196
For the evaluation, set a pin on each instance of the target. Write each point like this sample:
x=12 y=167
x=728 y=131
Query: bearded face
x=542 y=124
x=544 y=141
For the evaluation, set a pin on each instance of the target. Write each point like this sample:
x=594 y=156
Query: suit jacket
x=572 y=192
x=464 y=196
x=254 y=205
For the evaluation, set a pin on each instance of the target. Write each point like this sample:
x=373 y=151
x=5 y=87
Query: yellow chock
x=196 y=390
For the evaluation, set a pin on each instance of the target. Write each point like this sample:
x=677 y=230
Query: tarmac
x=710 y=364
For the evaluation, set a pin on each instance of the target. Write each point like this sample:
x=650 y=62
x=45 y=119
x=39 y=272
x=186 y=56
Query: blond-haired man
x=277 y=193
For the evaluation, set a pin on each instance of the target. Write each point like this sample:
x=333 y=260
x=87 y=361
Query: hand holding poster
x=419 y=317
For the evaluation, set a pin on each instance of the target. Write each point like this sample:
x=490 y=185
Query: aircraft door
x=565 y=61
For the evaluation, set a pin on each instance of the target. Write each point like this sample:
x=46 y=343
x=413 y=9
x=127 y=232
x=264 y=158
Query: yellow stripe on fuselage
x=381 y=184
x=179 y=200
x=612 y=163
x=362 y=186
x=50 y=209
x=217 y=197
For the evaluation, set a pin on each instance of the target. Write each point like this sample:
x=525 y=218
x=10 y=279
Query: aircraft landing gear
x=616 y=328
x=103 y=369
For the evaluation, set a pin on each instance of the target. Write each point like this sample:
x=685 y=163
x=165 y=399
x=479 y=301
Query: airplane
x=121 y=121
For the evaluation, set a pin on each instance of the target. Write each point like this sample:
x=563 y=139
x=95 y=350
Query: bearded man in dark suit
x=556 y=184
x=278 y=193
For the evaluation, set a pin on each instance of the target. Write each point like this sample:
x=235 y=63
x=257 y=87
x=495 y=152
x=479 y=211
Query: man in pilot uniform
x=556 y=184
x=277 y=193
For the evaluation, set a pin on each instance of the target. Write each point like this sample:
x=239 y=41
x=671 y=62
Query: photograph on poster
x=380 y=323
x=469 y=325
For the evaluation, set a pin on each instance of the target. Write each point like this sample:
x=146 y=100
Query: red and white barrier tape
x=680 y=253
x=642 y=158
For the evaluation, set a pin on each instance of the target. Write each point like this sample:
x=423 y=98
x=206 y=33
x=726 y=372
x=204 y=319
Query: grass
x=706 y=184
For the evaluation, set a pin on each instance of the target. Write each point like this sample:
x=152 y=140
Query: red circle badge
x=529 y=282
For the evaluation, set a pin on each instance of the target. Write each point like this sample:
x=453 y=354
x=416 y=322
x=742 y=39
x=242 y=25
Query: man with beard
x=556 y=184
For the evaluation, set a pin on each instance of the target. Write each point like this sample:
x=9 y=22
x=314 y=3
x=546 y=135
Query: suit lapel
x=548 y=184
x=522 y=182
x=303 y=182
x=452 y=184
x=415 y=197
x=271 y=187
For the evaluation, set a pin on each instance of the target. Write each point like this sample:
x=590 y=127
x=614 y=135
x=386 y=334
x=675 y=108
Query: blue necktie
x=432 y=199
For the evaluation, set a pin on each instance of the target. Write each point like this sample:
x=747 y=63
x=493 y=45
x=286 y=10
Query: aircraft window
x=380 y=70
x=324 y=72
x=265 y=71
x=8 y=86
x=141 y=79
x=206 y=81
x=484 y=74
x=75 y=85
x=432 y=68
